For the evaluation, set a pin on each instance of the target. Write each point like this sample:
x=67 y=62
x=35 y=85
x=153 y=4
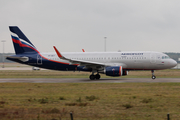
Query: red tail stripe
x=22 y=45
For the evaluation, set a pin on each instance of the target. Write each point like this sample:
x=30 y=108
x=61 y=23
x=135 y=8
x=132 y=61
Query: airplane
x=109 y=63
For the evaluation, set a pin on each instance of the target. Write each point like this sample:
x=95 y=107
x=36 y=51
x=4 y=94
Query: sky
x=73 y=25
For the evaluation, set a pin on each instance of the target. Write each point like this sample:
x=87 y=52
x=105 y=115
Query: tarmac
x=82 y=80
x=87 y=80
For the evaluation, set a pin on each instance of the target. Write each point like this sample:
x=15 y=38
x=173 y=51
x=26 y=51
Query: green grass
x=101 y=101
x=87 y=101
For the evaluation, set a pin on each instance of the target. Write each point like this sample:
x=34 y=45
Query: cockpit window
x=165 y=57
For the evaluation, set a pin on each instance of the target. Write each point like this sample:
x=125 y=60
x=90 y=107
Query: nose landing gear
x=153 y=76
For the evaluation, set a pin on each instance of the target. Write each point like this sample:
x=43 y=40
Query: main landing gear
x=153 y=76
x=93 y=77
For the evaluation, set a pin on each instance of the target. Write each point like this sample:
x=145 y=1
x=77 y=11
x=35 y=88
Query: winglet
x=83 y=50
x=58 y=53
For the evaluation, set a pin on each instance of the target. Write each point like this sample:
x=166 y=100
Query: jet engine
x=115 y=71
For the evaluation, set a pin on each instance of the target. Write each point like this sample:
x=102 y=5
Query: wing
x=87 y=64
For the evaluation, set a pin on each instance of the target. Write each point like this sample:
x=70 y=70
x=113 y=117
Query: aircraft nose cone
x=173 y=63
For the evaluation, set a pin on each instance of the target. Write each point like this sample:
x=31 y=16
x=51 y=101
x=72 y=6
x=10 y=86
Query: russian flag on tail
x=21 y=42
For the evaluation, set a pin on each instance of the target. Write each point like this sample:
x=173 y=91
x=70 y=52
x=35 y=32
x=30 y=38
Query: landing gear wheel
x=92 y=77
x=97 y=76
x=153 y=77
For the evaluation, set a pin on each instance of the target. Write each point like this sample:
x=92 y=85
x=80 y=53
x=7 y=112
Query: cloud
x=73 y=25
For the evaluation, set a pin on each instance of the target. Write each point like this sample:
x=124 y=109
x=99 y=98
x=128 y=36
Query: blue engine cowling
x=115 y=71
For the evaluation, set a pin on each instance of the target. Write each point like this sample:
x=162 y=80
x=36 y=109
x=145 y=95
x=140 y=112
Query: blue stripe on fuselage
x=48 y=64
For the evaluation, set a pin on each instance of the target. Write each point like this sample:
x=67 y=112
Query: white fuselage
x=139 y=60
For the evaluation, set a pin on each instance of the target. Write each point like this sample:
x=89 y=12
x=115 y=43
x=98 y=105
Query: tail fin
x=21 y=42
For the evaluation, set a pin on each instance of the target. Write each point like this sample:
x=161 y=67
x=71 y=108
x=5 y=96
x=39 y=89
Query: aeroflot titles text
x=132 y=54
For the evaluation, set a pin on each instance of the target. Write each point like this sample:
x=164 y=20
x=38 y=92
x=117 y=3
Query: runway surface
x=86 y=80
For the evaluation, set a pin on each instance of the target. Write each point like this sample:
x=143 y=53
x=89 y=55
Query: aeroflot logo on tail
x=131 y=53
x=16 y=38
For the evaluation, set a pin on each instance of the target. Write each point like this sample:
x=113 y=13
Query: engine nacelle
x=114 y=71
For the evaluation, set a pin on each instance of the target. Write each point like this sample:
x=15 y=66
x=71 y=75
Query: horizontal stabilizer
x=23 y=59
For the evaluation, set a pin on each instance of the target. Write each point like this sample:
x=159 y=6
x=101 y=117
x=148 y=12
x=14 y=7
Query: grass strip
x=100 y=101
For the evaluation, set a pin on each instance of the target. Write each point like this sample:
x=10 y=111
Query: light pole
x=105 y=44
x=3 y=41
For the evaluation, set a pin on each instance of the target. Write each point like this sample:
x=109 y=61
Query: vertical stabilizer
x=21 y=42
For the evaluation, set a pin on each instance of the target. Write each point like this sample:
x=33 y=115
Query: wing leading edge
x=87 y=64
